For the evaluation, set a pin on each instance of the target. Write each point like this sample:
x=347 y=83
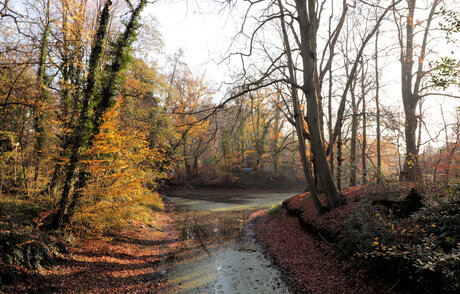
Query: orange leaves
x=118 y=163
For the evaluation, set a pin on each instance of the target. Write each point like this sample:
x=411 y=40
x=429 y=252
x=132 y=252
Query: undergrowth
x=109 y=216
x=421 y=252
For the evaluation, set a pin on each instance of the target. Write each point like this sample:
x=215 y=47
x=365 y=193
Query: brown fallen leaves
x=311 y=264
x=129 y=263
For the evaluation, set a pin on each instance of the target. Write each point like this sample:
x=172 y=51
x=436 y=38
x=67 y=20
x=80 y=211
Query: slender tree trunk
x=339 y=160
x=364 y=145
x=195 y=165
x=42 y=80
x=377 y=105
x=188 y=171
x=419 y=120
x=351 y=77
x=329 y=125
x=278 y=126
x=354 y=134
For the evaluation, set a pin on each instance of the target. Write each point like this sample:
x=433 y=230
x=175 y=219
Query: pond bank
x=219 y=254
x=306 y=246
x=309 y=264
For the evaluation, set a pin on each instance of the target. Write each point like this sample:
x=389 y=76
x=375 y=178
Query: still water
x=218 y=255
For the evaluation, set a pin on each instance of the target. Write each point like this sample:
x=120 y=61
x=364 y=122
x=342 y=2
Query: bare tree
x=411 y=81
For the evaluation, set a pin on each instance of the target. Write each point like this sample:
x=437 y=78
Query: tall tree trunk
x=411 y=90
x=364 y=145
x=377 y=106
x=339 y=160
x=109 y=90
x=277 y=128
x=299 y=123
x=308 y=27
x=188 y=171
x=329 y=125
x=42 y=80
x=354 y=134
x=79 y=136
x=195 y=165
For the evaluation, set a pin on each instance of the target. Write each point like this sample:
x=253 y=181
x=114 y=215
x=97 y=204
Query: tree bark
x=42 y=80
x=339 y=160
x=120 y=60
x=354 y=134
x=299 y=120
x=79 y=137
x=308 y=27
x=377 y=106
x=411 y=90
x=364 y=145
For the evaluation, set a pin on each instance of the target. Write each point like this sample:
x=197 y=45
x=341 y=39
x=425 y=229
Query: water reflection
x=218 y=256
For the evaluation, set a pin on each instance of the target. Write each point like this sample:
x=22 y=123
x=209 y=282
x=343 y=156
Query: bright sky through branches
x=199 y=30
x=204 y=29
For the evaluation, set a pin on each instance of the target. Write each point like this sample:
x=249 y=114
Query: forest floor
x=131 y=261
x=315 y=253
x=311 y=263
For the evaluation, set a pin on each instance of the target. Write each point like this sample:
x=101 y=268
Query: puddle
x=219 y=255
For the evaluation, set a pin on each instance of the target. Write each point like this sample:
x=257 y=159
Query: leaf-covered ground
x=131 y=262
x=309 y=262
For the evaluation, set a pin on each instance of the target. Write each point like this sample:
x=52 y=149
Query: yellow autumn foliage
x=120 y=168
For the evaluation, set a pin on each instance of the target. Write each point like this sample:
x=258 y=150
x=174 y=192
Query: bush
x=422 y=251
x=111 y=214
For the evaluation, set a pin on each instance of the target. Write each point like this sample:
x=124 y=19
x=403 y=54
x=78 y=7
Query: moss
x=275 y=208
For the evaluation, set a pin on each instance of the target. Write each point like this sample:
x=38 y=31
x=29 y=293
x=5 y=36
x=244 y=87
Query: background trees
x=315 y=77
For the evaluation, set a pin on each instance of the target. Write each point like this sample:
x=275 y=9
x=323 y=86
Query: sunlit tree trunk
x=308 y=28
x=87 y=127
x=79 y=133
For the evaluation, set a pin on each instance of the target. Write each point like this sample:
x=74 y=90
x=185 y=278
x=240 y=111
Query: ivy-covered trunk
x=43 y=95
x=79 y=136
x=121 y=58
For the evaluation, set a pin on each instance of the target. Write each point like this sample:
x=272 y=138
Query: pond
x=219 y=255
